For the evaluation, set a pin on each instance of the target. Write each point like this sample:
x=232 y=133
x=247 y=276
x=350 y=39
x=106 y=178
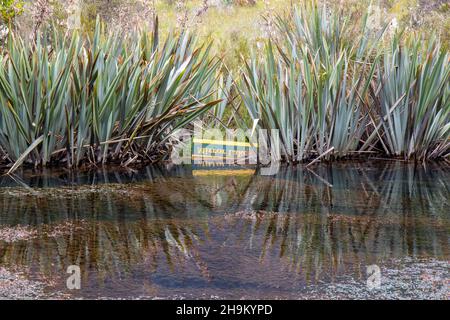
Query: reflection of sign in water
x=207 y=150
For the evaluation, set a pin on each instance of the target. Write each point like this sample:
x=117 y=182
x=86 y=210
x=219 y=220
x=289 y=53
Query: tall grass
x=104 y=98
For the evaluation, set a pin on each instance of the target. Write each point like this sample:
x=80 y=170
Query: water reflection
x=175 y=231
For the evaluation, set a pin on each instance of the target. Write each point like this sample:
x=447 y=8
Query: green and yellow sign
x=208 y=150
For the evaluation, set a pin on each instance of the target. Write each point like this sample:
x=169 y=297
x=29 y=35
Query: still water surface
x=184 y=232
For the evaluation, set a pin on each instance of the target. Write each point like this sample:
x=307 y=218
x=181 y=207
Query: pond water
x=205 y=232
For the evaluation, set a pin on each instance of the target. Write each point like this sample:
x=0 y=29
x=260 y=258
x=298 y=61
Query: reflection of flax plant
x=320 y=230
x=319 y=223
x=107 y=244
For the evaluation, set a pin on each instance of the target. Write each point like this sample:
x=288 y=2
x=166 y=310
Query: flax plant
x=412 y=89
x=333 y=92
x=310 y=86
x=106 y=98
